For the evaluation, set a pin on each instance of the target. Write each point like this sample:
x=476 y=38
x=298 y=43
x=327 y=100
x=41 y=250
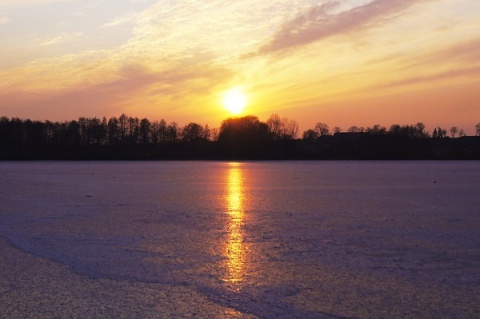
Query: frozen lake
x=241 y=240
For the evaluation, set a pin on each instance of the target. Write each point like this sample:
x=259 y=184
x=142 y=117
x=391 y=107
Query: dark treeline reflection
x=128 y=138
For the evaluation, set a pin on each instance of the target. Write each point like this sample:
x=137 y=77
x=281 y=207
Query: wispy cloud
x=318 y=22
x=130 y=17
x=455 y=61
x=449 y=75
x=64 y=37
x=107 y=84
x=467 y=51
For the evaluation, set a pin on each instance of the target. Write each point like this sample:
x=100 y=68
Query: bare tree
x=154 y=132
x=322 y=129
x=355 y=129
x=282 y=128
x=275 y=126
x=133 y=127
x=310 y=135
x=377 y=129
x=114 y=133
x=441 y=133
x=145 y=129
x=192 y=132
x=420 y=130
x=214 y=134
x=289 y=128
x=337 y=129
x=477 y=129
x=163 y=130
x=122 y=126
x=207 y=133
x=461 y=133
x=453 y=131
x=172 y=132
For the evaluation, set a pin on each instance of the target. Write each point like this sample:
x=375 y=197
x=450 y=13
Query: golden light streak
x=235 y=250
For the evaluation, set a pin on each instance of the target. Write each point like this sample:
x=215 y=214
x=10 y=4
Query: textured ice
x=267 y=239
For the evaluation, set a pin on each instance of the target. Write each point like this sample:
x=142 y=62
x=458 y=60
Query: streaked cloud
x=325 y=20
x=60 y=38
x=449 y=75
x=159 y=93
x=126 y=19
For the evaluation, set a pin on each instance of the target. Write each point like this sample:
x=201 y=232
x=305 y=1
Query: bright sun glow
x=234 y=100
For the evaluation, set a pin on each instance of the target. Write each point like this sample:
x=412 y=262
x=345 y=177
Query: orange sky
x=342 y=62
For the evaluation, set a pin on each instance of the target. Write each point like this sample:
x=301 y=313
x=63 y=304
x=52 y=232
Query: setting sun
x=234 y=100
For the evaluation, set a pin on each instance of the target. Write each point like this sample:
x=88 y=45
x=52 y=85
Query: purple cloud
x=317 y=24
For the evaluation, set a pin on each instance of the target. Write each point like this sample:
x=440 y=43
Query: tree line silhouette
x=130 y=138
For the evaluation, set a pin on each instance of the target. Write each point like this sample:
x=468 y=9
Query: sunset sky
x=342 y=62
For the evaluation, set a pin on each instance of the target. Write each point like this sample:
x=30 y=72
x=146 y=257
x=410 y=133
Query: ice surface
x=266 y=239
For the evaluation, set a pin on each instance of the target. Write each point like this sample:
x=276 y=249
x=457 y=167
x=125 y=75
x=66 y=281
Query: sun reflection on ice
x=235 y=250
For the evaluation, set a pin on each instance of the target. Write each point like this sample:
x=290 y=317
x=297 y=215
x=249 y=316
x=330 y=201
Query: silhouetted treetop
x=282 y=128
x=243 y=136
x=192 y=132
x=310 y=135
x=322 y=129
x=412 y=131
x=127 y=137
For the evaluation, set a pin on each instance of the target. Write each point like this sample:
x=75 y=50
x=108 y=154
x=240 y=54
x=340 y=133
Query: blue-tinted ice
x=268 y=239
